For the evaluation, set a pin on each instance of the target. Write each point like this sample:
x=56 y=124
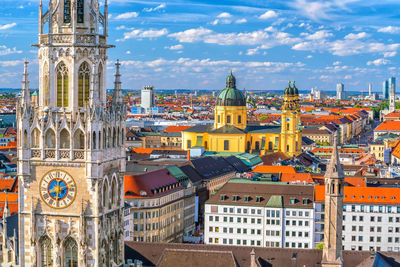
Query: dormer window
x=258 y=199
x=292 y=201
x=235 y=198
x=305 y=201
x=222 y=197
x=246 y=198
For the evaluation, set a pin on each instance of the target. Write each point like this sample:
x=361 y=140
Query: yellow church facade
x=230 y=132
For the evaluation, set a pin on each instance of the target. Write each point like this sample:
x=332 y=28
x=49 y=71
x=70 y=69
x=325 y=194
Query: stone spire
x=334 y=185
x=117 y=95
x=26 y=96
x=6 y=212
x=334 y=169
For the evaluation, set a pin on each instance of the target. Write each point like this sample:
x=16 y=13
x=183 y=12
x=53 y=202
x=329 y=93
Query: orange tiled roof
x=12 y=207
x=175 y=129
x=297 y=178
x=394 y=114
x=389 y=126
x=274 y=169
x=6 y=184
x=377 y=195
x=143 y=150
x=396 y=149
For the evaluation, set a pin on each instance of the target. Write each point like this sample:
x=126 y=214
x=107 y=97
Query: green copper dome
x=291 y=90
x=231 y=96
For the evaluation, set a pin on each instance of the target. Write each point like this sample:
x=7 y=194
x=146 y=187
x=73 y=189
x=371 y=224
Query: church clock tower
x=290 y=139
x=71 y=157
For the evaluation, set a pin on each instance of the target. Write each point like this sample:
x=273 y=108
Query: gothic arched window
x=46 y=85
x=83 y=84
x=62 y=85
x=46 y=252
x=80 y=11
x=64 y=139
x=105 y=193
x=35 y=137
x=100 y=82
x=67 y=11
x=50 y=139
x=79 y=139
x=71 y=253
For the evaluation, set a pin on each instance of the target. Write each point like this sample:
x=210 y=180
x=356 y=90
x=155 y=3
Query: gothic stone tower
x=71 y=158
x=290 y=139
x=334 y=185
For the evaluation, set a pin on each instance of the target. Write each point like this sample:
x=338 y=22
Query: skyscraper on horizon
x=148 y=99
x=385 y=90
x=340 y=94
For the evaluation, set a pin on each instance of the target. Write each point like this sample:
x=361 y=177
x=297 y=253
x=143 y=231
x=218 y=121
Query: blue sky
x=194 y=44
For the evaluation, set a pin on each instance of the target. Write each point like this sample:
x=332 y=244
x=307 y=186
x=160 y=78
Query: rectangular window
x=239 y=119
x=226 y=145
x=228 y=119
x=189 y=143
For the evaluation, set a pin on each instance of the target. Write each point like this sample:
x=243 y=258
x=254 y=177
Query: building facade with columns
x=71 y=157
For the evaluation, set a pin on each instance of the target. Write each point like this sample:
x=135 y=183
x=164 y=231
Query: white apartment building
x=257 y=213
x=371 y=218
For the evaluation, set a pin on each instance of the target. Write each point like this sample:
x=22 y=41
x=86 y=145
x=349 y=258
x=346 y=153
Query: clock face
x=58 y=189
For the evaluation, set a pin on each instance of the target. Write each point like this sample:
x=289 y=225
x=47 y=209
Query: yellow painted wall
x=222 y=112
x=236 y=142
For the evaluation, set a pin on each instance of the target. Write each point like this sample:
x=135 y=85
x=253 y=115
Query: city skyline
x=193 y=44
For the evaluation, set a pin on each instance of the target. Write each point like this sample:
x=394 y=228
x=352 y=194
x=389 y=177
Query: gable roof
x=274 y=169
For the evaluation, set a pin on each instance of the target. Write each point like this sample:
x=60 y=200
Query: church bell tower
x=290 y=139
x=71 y=157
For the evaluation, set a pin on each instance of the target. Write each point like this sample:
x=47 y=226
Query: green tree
x=320 y=246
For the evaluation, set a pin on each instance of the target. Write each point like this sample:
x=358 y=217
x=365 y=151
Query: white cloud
x=8 y=26
x=356 y=36
x=309 y=56
x=174 y=47
x=313 y=10
x=191 y=35
x=224 y=15
x=336 y=63
x=390 y=29
x=127 y=15
x=128 y=52
x=378 y=62
x=261 y=37
x=348 y=77
x=241 y=21
x=323 y=34
x=139 y=34
x=11 y=63
x=161 y=6
x=252 y=51
x=390 y=54
x=4 y=50
x=268 y=15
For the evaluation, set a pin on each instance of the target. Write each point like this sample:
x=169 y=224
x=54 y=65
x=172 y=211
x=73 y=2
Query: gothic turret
x=117 y=95
x=334 y=185
x=25 y=92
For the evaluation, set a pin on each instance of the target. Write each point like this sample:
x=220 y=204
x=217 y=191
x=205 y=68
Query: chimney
x=253 y=262
x=188 y=155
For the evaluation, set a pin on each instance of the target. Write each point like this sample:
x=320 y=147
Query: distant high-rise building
x=392 y=98
x=340 y=94
x=148 y=99
x=385 y=90
x=370 y=90
x=392 y=81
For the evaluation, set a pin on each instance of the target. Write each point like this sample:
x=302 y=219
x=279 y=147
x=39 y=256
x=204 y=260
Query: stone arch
x=70 y=252
x=62 y=85
x=65 y=139
x=25 y=138
x=109 y=138
x=50 y=139
x=94 y=140
x=105 y=192
x=46 y=84
x=114 y=190
x=35 y=138
x=79 y=139
x=46 y=251
x=114 y=138
x=83 y=83
x=100 y=82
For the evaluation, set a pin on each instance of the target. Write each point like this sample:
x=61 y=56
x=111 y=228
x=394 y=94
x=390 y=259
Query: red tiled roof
x=174 y=129
x=144 y=185
x=297 y=178
x=378 y=195
x=274 y=169
x=389 y=126
x=6 y=184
